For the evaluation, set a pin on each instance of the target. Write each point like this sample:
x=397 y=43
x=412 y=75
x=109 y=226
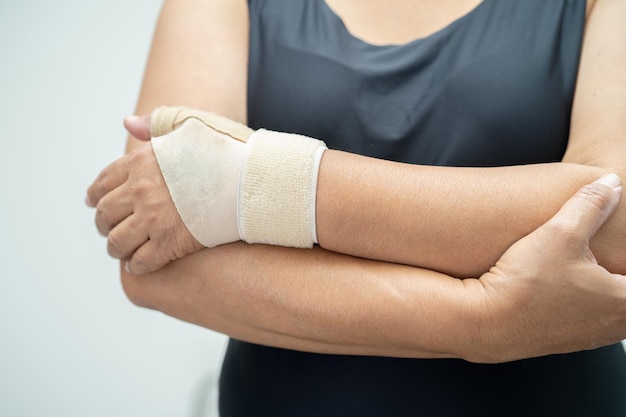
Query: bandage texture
x=278 y=183
x=200 y=164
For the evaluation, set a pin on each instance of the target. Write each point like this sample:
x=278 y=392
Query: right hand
x=547 y=294
x=136 y=213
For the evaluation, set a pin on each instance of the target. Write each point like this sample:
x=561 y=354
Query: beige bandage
x=166 y=119
x=229 y=183
x=277 y=189
x=200 y=157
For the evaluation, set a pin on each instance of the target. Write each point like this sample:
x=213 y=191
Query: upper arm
x=598 y=127
x=199 y=59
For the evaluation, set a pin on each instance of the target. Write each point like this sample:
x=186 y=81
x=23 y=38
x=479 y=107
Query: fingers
x=138 y=126
x=152 y=252
x=147 y=258
x=590 y=207
x=125 y=238
x=112 y=209
x=109 y=179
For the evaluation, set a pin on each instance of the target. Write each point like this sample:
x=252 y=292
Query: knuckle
x=101 y=208
x=92 y=196
x=138 y=264
x=103 y=217
x=572 y=229
x=99 y=181
x=103 y=182
x=113 y=246
x=142 y=263
x=595 y=194
x=562 y=233
x=142 y=187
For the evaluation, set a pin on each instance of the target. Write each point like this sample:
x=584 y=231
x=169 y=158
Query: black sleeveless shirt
x=493 y=88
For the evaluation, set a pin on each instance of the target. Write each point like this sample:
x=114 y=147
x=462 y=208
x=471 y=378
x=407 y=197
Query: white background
x=71 y=344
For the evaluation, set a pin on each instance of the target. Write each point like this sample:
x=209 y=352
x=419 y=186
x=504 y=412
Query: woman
x=459 y=83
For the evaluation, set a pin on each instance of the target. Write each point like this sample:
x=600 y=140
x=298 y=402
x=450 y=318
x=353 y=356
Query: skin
x=455 y=207
x=398 y=21
x=324 y=301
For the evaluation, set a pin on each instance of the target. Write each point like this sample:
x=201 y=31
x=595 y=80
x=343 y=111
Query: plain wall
x=71 y=344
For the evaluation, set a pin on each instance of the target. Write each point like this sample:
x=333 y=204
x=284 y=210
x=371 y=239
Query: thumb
x=138 y=126
x=585 y=212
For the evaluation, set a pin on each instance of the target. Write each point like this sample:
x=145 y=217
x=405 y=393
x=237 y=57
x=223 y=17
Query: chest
x=398 y=21
x=494 y=87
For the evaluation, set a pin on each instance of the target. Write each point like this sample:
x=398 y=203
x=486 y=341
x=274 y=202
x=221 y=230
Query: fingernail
x=88 y=201
x=610 y=180
x=127 y=267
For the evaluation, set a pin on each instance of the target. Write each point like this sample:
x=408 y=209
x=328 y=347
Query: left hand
x=135 y=211
x=547 y=294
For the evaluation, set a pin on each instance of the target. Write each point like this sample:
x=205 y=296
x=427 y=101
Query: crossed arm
x=322 y=301
x=461 y=220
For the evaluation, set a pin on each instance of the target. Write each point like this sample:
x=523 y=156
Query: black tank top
x=493 y=88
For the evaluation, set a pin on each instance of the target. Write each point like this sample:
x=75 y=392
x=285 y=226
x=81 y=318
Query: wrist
x=475 y=336
x=277 y=189
x=230 y=183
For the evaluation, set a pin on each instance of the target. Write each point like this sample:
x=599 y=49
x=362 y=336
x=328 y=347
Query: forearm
x=455 y=220
x=312 y=300
x=459 y=221
x=319 y=301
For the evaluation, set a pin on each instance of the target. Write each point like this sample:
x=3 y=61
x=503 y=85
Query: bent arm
x=428 y=216
x=313 y=300
x=303 y=299
x=320 y=301
x=454 y=220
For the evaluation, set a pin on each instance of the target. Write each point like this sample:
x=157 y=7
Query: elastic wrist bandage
x=277 y=189
x=229 y=183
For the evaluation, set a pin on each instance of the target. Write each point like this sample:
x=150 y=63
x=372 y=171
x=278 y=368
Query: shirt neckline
x=439 y=32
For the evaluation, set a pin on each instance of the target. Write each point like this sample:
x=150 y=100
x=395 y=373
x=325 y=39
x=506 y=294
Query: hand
x=135 y=211
x=547 y=294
